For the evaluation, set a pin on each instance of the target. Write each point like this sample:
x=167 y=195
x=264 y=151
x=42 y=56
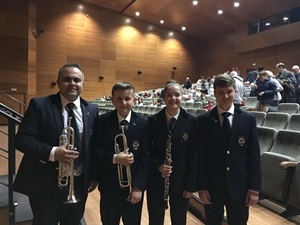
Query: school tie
x=171 y=124
x=226 y=126
x=124 y=123
x=76 y=133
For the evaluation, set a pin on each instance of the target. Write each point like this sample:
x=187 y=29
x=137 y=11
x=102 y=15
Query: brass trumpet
x=66 y=171
x=123 y=182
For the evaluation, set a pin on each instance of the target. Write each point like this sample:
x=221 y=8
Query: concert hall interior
x=148 y=43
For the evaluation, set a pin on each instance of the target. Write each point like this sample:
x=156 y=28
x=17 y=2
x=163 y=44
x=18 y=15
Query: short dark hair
x=75 y=65
x=122 y=86
x=224 y=80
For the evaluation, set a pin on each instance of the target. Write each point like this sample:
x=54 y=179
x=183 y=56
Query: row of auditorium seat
x=148 y=110
x=280 y=184
x=278 y=120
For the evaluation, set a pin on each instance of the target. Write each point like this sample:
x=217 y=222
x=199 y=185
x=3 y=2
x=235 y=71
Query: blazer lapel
x=57 y=112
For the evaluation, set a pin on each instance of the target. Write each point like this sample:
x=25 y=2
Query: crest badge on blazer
x=135 y=145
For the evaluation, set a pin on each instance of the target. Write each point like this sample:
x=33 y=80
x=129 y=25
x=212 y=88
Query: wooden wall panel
x=104 y=45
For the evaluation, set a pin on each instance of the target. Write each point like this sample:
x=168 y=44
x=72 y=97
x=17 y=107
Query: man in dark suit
x=229 y=158
x=173 y=174
x=38 y=138
x=288 y=81
x=114 y=132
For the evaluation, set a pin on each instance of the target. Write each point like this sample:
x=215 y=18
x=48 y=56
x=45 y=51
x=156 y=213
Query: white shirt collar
x=65 y=101
x=168 y=116
x=128 y=117
x=231 y=110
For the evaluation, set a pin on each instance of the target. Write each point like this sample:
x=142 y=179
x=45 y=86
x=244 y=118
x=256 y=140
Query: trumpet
x=66 y=171
x=124 y=182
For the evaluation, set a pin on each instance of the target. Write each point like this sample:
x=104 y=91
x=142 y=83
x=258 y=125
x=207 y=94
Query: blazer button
x=228 y=152
x=228 y=168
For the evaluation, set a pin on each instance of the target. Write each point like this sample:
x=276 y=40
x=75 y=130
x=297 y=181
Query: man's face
x=173 y=97
x=70 y=83
x=123 y=100
x=225 y=96
x=280 y=69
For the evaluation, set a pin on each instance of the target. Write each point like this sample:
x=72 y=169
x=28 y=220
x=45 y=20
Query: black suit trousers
x=53 y=209
x=237 y=212
x=114 y=206
x=178 y=208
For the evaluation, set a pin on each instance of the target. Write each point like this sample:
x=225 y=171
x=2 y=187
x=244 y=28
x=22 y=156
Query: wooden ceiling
x=202 y=21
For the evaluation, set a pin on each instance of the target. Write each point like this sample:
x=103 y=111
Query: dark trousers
x=48 y=207
x=178 y=208
x=237 y=212
x=114 y=205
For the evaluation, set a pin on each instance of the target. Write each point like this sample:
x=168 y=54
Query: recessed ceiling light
x=161 y=21
x=183 y=28
x=285 y=18
x=171 y=34
x=220 y=11
x=137 y=13
x=80 y=7
x=236 y=4
x=268 y=24
x=195 y=2
x=127 y=21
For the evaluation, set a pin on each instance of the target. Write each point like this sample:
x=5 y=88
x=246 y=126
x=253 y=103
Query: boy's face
x=225 y=96
x=173 y=97
x=123 y=100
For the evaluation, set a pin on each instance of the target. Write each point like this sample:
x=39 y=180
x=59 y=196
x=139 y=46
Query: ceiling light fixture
x=195 y=2
x=161 y=21
x=285 y=18
x=268 y=24
x=220 y=11
x=137 y=13
x=183 y=28
x=236 y=4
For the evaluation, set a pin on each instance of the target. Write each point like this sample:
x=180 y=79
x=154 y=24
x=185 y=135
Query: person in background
x=266 y=90
x=229 y=171
x=296 y=72
x=187 y=84
x=38 y=137
x=239 y=84
x=279 y=88
x=121 y=198
x=288 y=81
x=172 y=177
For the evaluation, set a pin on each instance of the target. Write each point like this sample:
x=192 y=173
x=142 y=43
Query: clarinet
x=167 y=161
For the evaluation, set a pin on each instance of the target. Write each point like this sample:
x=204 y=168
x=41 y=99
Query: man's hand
x=62 y=154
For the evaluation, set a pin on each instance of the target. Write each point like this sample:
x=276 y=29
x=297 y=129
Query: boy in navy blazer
x=121 y=202
x=229 y=161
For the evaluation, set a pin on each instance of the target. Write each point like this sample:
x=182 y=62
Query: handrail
x=16 y=100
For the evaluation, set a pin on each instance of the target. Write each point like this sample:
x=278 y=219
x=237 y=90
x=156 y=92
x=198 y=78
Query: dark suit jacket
x=183 y=151
x=38 y=133
x=104 y=171
x=238 y=166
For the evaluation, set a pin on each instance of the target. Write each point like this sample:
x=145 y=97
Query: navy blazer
x=239 y=164
x=38 y=132
x=104 y=171
x=183 y=151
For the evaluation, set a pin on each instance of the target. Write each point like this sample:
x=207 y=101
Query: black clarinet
x=167 y=161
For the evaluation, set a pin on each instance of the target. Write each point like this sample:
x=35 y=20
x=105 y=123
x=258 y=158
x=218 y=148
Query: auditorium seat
x=251 y=102
x=294 y=122
x=289 y=108
x=275 y=181
x=277 y=120
x=197 y=105
x=200 y=111
x=294 y=192
x=259 y=117
x=266 y=136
